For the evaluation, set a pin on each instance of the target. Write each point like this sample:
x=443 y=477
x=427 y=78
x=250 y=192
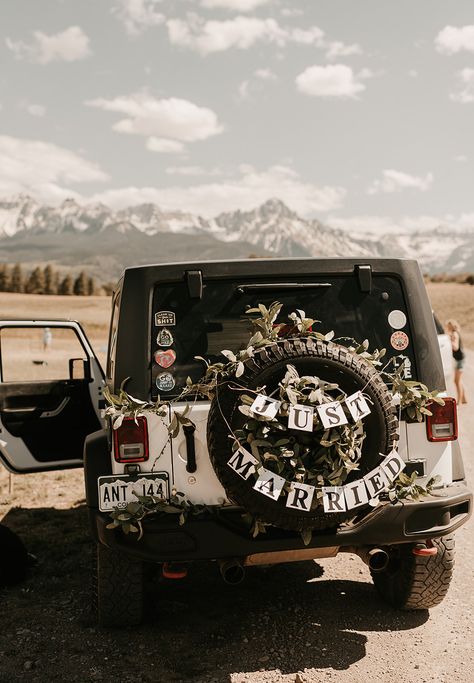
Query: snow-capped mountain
x=277 y=229
x=105 y=240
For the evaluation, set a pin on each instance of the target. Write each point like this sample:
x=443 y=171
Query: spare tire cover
x=328 y=361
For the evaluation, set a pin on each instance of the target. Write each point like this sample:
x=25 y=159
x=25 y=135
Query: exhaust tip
x=232 y=572
x=378 y=559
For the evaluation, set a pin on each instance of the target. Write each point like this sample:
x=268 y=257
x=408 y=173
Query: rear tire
x=417 y=582
x=119 y=588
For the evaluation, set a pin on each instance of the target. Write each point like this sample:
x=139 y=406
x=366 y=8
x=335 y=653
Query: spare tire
x=328 y=361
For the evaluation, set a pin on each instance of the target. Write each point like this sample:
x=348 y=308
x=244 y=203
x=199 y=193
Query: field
x=448 y=299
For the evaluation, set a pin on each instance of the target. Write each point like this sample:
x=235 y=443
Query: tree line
x=47 y=280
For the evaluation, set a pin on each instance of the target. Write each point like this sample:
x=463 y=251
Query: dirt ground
x=305 y=623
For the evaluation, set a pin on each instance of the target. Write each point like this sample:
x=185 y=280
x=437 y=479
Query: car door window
x=37 y=353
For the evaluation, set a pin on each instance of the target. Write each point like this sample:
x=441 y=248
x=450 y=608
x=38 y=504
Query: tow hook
x=425 y=549
x=173 y=570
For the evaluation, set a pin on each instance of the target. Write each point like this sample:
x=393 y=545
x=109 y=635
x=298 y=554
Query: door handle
x=190 y=448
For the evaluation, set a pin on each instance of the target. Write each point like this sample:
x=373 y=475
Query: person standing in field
x=47 y=338
x=454 y=331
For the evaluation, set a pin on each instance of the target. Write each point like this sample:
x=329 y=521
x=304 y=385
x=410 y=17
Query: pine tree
x=91 y=286
x=36 y=283
x=81 y=284
x=66 y=287
x=5 y=278
x=17 y=283
x=50 y=280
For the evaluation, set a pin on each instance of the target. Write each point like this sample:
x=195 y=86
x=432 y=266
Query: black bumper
x=223 y=535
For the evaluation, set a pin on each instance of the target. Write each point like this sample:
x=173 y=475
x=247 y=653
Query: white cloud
x=338 y=49
x=452 y=40
x=172 y=119
x=234 y=5
x=138 y=15
x=246 y=191
x=38 y=110
x=332 y=80
x=41 y=168
x=461 y=158
x=396 y=181
x=413 y=73
x=265 y=75
x=70 y=45
x=291 y=12
x=217 y=36
x=164 y=146
x=193 y=171
x=206 y=37
x=210 y=36
x=465 y=87
x=254 y=84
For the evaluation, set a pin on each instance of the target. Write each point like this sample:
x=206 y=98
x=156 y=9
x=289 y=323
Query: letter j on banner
x=265 y=406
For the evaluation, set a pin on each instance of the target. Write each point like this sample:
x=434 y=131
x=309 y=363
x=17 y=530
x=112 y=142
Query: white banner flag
x=242 y=462
x=332 y=414
x=300 y=496
x=265 y=406
x=376 y=481
x=333 y=499
x=356 y=494
x=301 y=417
x=357 y=405
x=269 y=483
x=392 y=465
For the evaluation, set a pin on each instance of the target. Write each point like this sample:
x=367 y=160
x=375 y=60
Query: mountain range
x=104 y=241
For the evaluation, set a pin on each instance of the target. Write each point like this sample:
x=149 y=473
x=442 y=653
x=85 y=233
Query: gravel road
x=306 y=622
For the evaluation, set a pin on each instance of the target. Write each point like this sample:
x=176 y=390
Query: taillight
x=131 y=440
x=442 y=425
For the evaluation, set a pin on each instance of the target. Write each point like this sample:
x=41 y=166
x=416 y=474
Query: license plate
x=116 y=491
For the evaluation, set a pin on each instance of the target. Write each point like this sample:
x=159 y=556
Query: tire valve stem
x=425 y=549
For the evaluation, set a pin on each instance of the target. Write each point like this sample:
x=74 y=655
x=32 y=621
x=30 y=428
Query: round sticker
x=164 y=338
x=165 y=358
x=397 y=319
x=165 y=381
x=399 y=341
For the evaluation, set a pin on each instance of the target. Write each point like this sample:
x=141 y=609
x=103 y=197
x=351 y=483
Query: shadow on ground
x=284 y=617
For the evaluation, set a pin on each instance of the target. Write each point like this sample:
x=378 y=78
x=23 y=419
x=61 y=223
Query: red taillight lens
x=131 y=440
x=443 y=424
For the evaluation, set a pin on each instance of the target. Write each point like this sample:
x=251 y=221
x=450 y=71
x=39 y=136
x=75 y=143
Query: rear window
x=183 y=328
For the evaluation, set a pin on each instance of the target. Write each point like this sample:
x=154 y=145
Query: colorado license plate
x=116 y=491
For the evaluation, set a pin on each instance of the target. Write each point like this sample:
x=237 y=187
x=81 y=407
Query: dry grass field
x=448 y=299
x=93 y=312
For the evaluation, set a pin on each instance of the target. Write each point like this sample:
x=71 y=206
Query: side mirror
x=79 y=368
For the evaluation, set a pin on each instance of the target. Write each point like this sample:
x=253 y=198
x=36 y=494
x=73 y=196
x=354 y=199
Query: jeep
x=291 y=447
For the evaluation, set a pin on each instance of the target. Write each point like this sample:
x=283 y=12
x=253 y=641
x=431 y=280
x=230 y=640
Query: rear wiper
x=241 y=289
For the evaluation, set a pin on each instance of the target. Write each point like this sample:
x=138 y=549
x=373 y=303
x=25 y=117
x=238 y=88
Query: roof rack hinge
x=194 y=281
x=364 y=275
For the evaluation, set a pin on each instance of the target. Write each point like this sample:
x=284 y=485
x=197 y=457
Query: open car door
x=51 y=396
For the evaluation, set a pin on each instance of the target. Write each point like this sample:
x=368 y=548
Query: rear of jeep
x=167 y=318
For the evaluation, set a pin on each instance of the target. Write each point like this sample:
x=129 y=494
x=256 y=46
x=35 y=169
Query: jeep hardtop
x=158 y=442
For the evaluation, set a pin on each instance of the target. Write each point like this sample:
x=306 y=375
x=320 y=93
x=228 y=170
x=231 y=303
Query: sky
x=358 y=113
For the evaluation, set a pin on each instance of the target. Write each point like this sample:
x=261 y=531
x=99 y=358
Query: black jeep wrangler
x=295 y=445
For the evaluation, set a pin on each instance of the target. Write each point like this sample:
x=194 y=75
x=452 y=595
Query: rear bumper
x=223 y=536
